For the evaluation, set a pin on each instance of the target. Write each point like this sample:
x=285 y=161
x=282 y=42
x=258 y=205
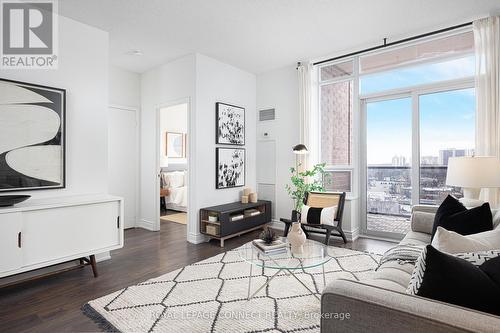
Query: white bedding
x=177 y=196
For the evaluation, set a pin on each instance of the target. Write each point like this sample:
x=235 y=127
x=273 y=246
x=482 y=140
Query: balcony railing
x=390 y=188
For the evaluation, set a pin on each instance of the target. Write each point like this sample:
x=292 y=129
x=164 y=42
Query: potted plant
x=305 y=181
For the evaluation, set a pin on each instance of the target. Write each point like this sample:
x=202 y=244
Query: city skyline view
x=446 y=128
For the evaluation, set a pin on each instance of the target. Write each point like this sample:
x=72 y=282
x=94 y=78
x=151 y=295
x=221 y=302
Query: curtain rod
x=393 y=43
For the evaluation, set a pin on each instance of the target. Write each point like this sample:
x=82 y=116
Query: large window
x=447 y=121
x=336 y=123
x=410 y=108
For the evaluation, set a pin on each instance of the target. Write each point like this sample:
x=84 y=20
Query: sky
x=447 y=119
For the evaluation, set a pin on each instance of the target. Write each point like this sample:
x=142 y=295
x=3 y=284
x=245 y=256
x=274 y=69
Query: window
x=441 y=59
x=452 y=69
x=439 y=142
x=336 y=123
x=336 y=70
x=411 y=108
x=338 y=181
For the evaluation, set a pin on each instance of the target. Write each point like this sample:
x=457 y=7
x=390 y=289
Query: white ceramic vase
x=296 y=237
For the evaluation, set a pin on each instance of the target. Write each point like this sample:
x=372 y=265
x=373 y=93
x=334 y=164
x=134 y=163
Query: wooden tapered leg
x=94 y=265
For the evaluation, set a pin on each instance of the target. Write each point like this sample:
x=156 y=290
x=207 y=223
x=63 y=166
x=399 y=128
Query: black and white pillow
x=467 y=279
x=312 y=215
x=475 y=258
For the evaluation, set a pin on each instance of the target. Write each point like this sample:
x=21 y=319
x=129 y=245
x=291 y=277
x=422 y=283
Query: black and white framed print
x=230 y=122
x=32 y=136
x=230 y=166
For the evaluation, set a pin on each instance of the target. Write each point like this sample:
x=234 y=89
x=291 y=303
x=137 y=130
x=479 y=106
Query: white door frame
x=190 y=161
x=136 y=110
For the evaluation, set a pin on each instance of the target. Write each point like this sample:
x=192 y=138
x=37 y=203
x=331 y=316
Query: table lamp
x=473 y=174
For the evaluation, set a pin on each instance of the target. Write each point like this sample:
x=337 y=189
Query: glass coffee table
x=312 y=254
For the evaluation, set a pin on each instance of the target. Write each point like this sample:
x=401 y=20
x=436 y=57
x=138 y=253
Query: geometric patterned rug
x=210 y=296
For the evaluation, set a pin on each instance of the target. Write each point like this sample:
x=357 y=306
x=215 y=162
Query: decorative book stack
x=277 y=246
x=251 y=212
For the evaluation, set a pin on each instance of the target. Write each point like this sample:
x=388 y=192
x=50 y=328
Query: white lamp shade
x=473 y=172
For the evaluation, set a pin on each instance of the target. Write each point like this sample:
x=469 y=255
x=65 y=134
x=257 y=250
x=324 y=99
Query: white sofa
x=382 y=305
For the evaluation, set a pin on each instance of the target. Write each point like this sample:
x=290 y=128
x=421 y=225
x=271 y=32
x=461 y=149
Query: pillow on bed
x=174 y=179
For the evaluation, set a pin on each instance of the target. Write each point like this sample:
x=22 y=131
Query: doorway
x=173 y=142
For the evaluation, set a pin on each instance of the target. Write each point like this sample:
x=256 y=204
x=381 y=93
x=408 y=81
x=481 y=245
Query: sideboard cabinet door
x=10 y=242
x=54 y=234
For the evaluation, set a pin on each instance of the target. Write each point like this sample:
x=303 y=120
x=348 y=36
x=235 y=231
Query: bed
x=173 y=182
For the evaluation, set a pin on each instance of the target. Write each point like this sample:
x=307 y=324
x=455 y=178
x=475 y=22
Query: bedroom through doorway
x=173 y=157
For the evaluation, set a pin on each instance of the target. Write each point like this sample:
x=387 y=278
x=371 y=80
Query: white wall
x=165 y=85
x=124 y=88
x=172 y=119
x=83 y=72
x=219 y=82
x=278 y=89
x=204 y=81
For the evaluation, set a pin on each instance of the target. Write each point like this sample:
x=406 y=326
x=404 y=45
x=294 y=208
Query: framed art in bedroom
x=230 y=124
x=230 y=167
x=175 y=145
x=32 y=136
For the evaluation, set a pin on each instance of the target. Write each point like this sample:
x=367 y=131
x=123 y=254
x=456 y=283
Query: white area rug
x=210 y=296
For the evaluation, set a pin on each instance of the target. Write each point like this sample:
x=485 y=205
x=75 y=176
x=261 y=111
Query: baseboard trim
x=351 y=235
x=196 y=238
x=145 y=224
x=385 y=239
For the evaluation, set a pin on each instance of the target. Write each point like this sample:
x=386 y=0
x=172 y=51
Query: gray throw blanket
x=402 y=253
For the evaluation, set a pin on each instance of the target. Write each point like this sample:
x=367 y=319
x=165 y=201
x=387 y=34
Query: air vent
x=268 y=114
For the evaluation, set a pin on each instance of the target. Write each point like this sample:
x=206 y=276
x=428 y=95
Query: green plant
x=306 y=181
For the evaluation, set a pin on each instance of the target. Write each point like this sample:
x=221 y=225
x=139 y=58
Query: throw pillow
x=452 y=215
x=446 y=278
x=452 y=242
x=312 y=215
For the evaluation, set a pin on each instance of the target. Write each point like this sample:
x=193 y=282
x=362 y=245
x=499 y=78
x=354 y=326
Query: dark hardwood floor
x=53 y=304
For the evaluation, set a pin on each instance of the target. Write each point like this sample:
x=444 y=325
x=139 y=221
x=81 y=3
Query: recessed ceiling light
x=135 y=52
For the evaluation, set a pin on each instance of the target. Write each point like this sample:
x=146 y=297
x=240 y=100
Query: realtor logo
x=28 y=34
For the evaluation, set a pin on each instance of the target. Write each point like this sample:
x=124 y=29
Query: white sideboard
x=43 y=232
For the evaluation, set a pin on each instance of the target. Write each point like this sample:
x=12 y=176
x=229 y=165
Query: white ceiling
x=260 y=35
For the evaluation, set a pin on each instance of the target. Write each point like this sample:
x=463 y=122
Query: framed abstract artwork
x=32 y=136
x=230 y=167
x=230 y=122
x=175 y=145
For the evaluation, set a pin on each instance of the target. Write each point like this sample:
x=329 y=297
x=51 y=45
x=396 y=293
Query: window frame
x=358 y=149
x=354 y=78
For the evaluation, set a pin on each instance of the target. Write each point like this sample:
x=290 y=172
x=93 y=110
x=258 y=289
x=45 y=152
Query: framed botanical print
x=32 y=136
x=230 y=167
x=230 y=122
x=175 y=145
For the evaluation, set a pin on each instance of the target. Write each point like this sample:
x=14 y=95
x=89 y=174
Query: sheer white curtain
x=487 y=49
x=304 y=71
